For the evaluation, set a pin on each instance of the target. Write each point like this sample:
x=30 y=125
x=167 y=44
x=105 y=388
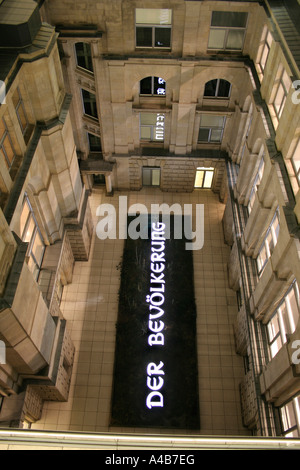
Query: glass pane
x=95 y=143
x=210 y=120
x=22 y=117
x=235 y=39
x=273 y=328
x=27 y=236
x=211 y=88
x=146 y=133
x=144 y=37
x=203 y=135
x=296 y=157
x=38 y=249
x=148 y=118
x=8 y=150
x=262 y=258
x=162 y=37
x=153 y=16
x=156 y=177
x=90 y=105
x=146 y=86
x=279 y=99
x=84 y=56
x=288 y=416
x=229 y=19
x=286 y=81
x=147 y=176
x=216 y=39
x=216 y=135
x=276 y=346
x=199 y=179
x=224 y=89
x=293 y=311
x=208 y=179
x=159 y=86
x=23 y=219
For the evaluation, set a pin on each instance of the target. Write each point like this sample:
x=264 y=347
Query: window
x=31 y=234
x=217 y=89
x=211 y=128
x=151 y=177
x=264 y=50
x=89 y=104
x=153 y=28
x=84 y=56
x=204 y=178
x=227 y=30
x=7 y=150
x=290 y=418
x=152 y=127
x=153 y=86
x=94 y=143
x=284 y=321
x=20 y=111
x=268 y=244
x=281 y=91
x=256 y=183
x=296 y=160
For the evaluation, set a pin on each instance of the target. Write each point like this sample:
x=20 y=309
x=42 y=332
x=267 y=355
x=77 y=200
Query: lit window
x=290 y=418
x=153 y=28
x=153 y=86
x=89 y=104
x=217 y=88
x=31 y=234
x=256 y=183
x=7 y=150
x=284 y=320
x=227 y=30
x=264 y=50
x=84 y=56
x=268 y=244
x=296 y=160
x=211 y=128
x=204 y=178
x=283 y=85
x=151 y=177
x=152 y=127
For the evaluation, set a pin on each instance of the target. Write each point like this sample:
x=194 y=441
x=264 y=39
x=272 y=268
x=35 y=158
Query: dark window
x=95 y=143
x=84 y=56
x=151 y=177
x=217 y=88
x=153 y=86
x=89 y=104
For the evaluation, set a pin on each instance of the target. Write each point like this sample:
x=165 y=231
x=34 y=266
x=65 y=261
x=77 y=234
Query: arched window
x=84 y=56
x=153 y=86
x=217 y=88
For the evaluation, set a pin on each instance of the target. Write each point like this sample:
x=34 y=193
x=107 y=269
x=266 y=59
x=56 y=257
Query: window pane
x=27 y=236
x=216 y=38
x=146 y=86
x=162 y=37
x=146 y=133
x=208 y=120
x=8 y=151
x=262 y=258
x=293 y=311
x=229 y=19
x=235 y=39
x=276 y=346
x=216 y=135
x=208 y=179
x=148 y=118
x=224 y=89
x=156 y=177
x=203 y=135
x=199 y=179
x=144 y=37
x=23 y=219
x=95 y=143
x=296 y=157
x=211 y=88
x=153 y=16
x=38 y=249
x=273 y=328
x=279 y=99
x=84 y=56
x=159 y=86
x=147 y=176
x=90 y=105
x=22 y=117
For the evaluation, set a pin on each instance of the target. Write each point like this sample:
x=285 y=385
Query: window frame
x=256 y=183
x=280 y=84
x=154 y=129
x=227 y=30
x=289 y=429
x=87 y=57
x=96 y=117
x=153 y=85
x=36 y=232
x=205 y=172
x=18 y=105
x=3 y=151
x=296 y=150
x=151 y=170
x=153 y=27
x=215 y=96
x=211 y=129
x=265 y=246
x=264 y=49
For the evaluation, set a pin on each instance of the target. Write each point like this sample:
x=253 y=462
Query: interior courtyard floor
x=90 y=305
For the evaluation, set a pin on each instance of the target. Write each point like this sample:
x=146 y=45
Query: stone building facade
x=183 y=96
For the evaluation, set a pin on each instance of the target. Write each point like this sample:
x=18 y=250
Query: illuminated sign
x=155 y=371
x=160 y=127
